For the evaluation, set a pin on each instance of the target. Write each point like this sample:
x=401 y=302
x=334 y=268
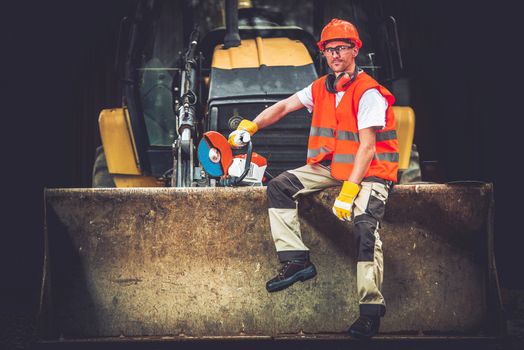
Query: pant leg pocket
x=377 y=201
x=379 y=191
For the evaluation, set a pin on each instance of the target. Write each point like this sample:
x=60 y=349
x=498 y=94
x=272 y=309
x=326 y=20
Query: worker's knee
x=281 y=189
x=365 y=227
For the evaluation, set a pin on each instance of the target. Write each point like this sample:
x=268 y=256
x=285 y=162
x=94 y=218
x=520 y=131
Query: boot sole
x=358 y=335
x=302 y=275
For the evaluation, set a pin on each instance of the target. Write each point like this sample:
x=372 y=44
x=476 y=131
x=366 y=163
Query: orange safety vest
x=334 y=131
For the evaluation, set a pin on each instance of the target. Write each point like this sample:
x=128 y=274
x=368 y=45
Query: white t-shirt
x=371 y=108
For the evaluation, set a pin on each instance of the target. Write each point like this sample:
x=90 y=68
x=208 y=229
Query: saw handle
x=234 y=180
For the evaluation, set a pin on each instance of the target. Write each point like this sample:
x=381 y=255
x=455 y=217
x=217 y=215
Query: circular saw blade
x=215 y=154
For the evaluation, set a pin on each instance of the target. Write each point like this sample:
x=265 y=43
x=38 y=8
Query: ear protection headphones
x=340 y=83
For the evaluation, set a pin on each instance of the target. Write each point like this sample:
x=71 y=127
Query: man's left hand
x=344 y=201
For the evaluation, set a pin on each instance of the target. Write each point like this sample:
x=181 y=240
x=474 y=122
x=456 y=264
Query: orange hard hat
x=339 y=29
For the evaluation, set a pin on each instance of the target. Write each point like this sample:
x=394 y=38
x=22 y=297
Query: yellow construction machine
x=227 y=74
x=158 y=249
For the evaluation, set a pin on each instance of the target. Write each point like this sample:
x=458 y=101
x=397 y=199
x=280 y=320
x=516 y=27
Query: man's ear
x=355 y=51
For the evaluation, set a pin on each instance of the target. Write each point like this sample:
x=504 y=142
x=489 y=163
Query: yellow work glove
x=242 y=135
x=344 y=201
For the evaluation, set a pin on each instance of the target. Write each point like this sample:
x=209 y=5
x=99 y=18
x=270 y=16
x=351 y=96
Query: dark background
x=57 y=75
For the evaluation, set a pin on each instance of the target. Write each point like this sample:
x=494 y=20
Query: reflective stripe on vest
x=344 y=158
x=386 y=157
x=347 y=136
x=312 y=153
x=351 y=136
x=387 y=135
x=381 y=136
x=350 y=158
x=326 y=132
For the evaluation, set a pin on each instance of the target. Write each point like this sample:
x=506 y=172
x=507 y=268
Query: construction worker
x=352 y=142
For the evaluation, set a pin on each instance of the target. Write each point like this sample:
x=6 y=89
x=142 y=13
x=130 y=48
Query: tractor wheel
x=412 y=174
x=101 y=176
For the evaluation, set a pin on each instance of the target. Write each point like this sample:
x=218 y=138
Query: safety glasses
x=338 y=49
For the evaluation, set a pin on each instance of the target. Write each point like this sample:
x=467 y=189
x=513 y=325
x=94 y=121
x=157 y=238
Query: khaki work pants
x=368 y=212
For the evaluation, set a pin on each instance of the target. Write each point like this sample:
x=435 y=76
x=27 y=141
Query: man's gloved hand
x=344 y=201
x=242 y=135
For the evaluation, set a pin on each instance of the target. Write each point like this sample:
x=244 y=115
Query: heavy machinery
x=218 y=78
x=190 y=262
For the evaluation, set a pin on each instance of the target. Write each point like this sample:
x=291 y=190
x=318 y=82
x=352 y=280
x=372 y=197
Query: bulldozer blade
x=193 y=262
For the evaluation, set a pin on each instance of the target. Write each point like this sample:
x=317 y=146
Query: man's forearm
x=270 y=115
x=277 y=111
x=361 y=164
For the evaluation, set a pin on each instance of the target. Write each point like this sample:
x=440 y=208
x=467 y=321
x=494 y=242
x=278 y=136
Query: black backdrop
x=57 y=76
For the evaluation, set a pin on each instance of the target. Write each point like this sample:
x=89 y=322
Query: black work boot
x=365 y=327
x=291 y=272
